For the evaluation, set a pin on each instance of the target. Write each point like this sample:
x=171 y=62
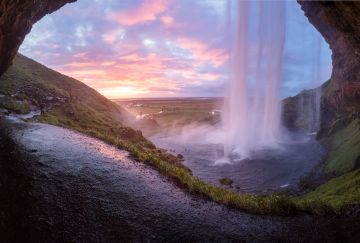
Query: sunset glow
x=155 y=48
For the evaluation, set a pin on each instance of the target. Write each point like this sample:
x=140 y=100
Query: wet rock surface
x=61 y=186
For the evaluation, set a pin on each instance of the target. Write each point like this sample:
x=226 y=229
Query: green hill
x=39 y=87
x=67 y=102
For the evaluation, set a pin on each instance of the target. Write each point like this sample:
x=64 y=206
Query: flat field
x=174 y=112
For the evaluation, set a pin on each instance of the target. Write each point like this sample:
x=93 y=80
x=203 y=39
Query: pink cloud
x=80 y=64
x=115 y=77
x=112 y=36
x=132 y=72
x=203 y=53
x=198 y=77
x=147 y=11
x=80 y=55
x=167 y=20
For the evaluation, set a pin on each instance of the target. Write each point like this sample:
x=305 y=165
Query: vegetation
x=342 y=138
x=174 y=113
x=68 y=103
x=19 y=107
x=334 y=196
x=226 y=181
x=344 y=146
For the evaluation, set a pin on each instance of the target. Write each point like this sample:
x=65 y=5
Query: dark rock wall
x=16 y=20
x=339 y=23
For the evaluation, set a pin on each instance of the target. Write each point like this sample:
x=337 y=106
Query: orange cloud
x=147 y=11
x=123 y=91
x=129 y=76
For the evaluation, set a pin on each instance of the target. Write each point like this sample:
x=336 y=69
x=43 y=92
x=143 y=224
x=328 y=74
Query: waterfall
x=316 y=82
x=252 y=108
x=310 y=100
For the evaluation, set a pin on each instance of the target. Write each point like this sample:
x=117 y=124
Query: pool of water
x=265 y=171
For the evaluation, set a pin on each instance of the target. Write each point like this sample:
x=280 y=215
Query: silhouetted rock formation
x=16 y=20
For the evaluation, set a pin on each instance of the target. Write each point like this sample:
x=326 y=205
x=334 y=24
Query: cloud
x=123 y=91
x=112 y=36
x=167 y=20
x=203 y=52
x=82 y=32
x=158 y=47
x=147 y=11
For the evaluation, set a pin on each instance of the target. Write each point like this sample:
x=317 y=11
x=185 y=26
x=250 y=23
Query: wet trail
x=61 y=186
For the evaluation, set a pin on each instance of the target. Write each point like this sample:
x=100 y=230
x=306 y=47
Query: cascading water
x=310 y=101
x=316 y=82
x=252 y=108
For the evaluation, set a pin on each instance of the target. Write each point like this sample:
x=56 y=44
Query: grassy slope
x=333 y=196
x=33 y=82
x=81 y=108
x=344 y=149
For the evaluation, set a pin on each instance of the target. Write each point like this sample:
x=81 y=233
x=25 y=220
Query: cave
x=338 y=23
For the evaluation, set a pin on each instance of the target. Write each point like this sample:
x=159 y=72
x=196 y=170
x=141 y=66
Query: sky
x=163 y=48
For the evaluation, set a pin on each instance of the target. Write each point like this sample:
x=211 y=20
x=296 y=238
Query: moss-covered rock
x=344 y=146
x=13 y=105
x=226 y=181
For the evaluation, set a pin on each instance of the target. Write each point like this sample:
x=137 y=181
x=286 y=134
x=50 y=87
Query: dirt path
x=58 y=185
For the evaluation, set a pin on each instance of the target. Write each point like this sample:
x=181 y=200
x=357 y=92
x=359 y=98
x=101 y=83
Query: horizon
x=164 y=98
x=144 y=49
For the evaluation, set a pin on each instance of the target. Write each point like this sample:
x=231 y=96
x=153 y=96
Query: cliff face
x=339 y=24
x=16 y=20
